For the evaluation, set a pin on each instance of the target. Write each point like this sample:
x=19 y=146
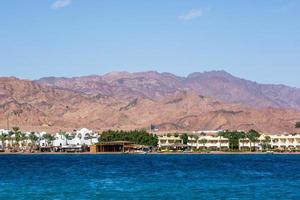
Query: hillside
x=49 y=106
x=219 y=85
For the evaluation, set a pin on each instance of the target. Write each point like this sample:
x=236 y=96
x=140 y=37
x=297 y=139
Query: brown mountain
x=219 y=85
x=134 y=101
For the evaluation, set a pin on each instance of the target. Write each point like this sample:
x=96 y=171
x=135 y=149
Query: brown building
x=115 y=146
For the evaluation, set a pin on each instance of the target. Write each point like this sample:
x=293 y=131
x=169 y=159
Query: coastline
x=153 y=153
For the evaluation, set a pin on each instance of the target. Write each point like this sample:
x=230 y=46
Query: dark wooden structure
x=114 y=146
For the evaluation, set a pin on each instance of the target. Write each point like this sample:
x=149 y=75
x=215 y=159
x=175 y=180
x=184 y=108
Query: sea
x=149 y=176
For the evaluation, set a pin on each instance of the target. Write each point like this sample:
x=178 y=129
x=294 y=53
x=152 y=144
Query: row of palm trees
x=15 y=139
x=234 y=138
x=252 y=136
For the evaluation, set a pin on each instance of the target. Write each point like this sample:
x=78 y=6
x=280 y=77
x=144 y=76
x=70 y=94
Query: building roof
x=116 y=143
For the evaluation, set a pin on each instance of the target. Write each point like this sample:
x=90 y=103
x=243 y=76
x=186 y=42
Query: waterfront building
x=287 y=141
x=208 y=142
x=83 y=136
x=118 y=147
x=284 y=141
x=197 y=140
x=169 y=140
x=42 y=141
x=245 y=144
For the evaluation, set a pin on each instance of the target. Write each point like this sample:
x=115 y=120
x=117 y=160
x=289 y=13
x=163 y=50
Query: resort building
x=289 y=141
x=196 y=141
x=62 y=141
x=208 y=142
x=80 y=137
x=245 y=144
x=167 y=141
x=81 y=140
x=285 y=141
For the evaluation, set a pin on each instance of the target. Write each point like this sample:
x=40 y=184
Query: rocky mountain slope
x=133 y=101
x=219 y=85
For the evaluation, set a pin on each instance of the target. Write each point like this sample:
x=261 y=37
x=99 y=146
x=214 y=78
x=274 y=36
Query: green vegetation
x=235 y=136
x=3 y=137
x=266 y=143
x=33 y=139
x=297 y=125
x=136 y=136
x=49 y=138
x=203 y=142
x=185 y=138
x=253 y=136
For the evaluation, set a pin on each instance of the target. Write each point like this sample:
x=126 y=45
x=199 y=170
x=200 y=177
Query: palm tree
x=63 y=133
x=196 y=137
x=243 y=137
x=184 y=137
x=203 y=142
x=49 y=138
x=24 y=139
x=10 y=138
x=266 y=142
x=33 y=139
x=253 y=136
x=3 y=137
x=17 y=135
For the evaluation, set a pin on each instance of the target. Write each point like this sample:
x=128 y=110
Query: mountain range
x=121 y=100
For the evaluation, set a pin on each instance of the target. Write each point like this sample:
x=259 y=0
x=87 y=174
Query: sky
x=252 y=39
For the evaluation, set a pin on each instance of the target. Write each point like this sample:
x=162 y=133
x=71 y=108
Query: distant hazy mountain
x=128 y=101
x=219 y=85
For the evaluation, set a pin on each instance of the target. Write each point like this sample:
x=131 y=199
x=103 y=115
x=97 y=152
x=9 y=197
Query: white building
x=198 y=141
x=208 y=142
x=291 y=141
x=286 y=141
x=168 y=140
x=80 y=137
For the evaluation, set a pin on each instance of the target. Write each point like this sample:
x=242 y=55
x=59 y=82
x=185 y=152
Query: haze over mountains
x=120 y=100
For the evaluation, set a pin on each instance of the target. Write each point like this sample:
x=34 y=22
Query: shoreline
x=153 y=153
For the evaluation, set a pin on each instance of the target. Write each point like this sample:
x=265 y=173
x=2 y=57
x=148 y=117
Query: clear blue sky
x=257 y=40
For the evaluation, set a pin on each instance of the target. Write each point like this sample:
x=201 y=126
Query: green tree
x=233 y=138
x=33 y=139
x=10 y=138
x=16 y=132
x=243 y=137
x=203 y=142
x=253 y=136
x=184 y=137
x=49 y=138
x=195 y=137
x=65 y=135
x=136 y=136
x=266 y=143
x=297 y=125
x=3 y=138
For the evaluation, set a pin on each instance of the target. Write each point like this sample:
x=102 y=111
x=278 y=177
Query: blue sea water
x=149 y=177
